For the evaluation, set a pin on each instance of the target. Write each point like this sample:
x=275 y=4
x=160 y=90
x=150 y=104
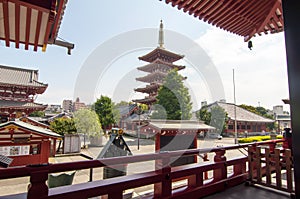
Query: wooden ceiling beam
x=6 y=22
x=231 y=14
x=200 y=7
x=38 y=30
x=17 y=24
x=205 y=8
x=237 y=14
x=192 y=4
x=57 y=20
x=182 y=4
x=260 y=9
x=28 y=24
x=220 y=6
x=224 y=14
x=174 y=3
x=268 y=17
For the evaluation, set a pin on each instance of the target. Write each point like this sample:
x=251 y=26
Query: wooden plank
x=250 y=162
x=277 y=168
x=38 y=30
x=268 y=166
x=258 y=164
x=28 y=24
x=288 y=161
x=17 y=24
x=6 y=22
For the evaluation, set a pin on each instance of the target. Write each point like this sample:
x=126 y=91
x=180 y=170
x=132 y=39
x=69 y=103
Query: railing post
x=221 y=173
x=258 y=164
x=272 y=147
x=288 y=164
x=250 y=162
x=38 y=187
x=164 y=188
x=205 y=159
x=268 y=165
x=278 y=168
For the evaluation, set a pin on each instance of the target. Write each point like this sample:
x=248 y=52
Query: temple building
x=246 y=121
x=18 y=89
x=160 y=62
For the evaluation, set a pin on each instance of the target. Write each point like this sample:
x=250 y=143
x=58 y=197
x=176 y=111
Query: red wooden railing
x=162 y=179
x=271 y=168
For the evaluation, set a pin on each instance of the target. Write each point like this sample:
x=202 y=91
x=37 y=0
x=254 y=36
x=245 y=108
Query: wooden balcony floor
x=249 y=192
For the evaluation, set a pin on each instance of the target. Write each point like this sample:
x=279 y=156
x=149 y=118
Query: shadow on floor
x=249 y=192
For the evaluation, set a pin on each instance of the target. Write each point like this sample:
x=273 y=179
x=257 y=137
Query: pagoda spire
x=161 y=35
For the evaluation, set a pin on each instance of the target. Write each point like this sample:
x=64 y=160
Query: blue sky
x=260 y=74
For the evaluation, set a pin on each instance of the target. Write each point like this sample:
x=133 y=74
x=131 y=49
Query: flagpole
x=235 y=121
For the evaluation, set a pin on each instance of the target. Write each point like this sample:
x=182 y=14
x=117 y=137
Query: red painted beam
x=232 y=17
x=28 y=23
x=205 y=10
x=6 y=22
x=38 y=30
x=57 y=20
x=17 y=24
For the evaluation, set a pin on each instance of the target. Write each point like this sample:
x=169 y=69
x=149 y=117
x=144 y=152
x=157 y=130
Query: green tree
x=249 y=108
x=104 y=109
x=204 y=115
x=218 y=119
x=37 y=114
x=63 y=126
x=173 y=99
x=262 y=112
x=116 y=112
x=87 y=122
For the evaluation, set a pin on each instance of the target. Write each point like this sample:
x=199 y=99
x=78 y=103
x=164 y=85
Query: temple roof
x=159 y=64
x=162 y=54
x=12 y=76
x=152 y=77
x=27 y=126
x=149 y=88
x=245 y=18
x=147 y=100
x=30 y=22
x=241 y=114
x=179 y=125
x=20 y=105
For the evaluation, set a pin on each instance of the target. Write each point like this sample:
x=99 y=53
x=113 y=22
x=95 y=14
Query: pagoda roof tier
x=156 y=77
x=149 y=88
x=160 y=65
x=21 y=78
x=11 y=106
x=147 y=100
x=162 y=54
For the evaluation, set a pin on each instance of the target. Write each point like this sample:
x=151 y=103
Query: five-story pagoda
x=160 y=64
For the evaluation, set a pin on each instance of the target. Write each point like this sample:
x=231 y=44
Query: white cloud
x=260 y=73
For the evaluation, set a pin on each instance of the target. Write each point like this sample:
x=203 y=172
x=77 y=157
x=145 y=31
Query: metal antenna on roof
x=161 y=35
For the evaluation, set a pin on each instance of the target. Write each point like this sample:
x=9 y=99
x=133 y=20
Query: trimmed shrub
x=257 y=139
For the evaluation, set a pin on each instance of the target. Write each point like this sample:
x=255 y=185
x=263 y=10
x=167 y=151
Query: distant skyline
x=260 y=74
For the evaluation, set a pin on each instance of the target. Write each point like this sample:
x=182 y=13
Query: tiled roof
x=4 y=104
x=30 y=127
x=180 y=124
x=241 y=114
x=19 y=76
